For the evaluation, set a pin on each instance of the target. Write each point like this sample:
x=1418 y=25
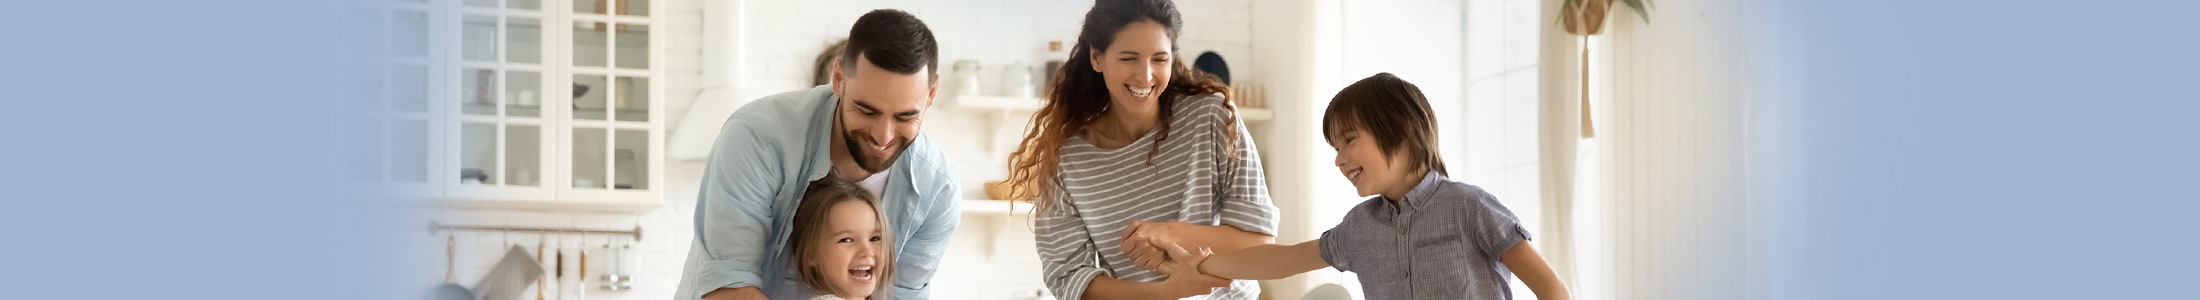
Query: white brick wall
x=785 y=36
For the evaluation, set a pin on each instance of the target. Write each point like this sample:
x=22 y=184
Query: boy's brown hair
x=1393 y=112
x=809 y=227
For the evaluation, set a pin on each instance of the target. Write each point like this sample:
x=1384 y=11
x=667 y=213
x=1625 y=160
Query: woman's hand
x=1140 y=238
x=1185 y=280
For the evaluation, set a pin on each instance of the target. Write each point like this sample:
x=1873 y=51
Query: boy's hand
x=1185 y=280
x=1141 y=240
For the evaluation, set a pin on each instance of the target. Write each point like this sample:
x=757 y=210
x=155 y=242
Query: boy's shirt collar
x=1421 y=192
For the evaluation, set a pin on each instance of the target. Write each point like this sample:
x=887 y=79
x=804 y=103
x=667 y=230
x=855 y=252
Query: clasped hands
x=1158 y=246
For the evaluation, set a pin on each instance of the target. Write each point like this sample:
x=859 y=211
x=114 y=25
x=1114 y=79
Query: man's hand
x=741 y=293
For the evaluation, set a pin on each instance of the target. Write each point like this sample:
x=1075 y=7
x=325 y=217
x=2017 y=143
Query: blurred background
x=650 y=81
x=1684 y=149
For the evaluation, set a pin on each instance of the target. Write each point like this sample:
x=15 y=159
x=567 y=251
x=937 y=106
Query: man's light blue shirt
x=767 y=153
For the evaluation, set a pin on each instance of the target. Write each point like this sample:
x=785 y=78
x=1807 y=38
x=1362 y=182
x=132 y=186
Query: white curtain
x=1655 y=205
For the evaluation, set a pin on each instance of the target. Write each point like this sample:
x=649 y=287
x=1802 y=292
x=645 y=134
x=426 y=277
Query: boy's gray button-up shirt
x=1442 y=243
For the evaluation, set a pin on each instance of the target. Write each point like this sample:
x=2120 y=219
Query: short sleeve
x=1333 y=251
x=1492 y=226
x=1069 y=260
x=1242 y=184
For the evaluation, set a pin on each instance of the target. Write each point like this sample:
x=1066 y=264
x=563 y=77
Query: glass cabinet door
x=521 y=102
x=411 y=83
x=612 y=135
x=611 y=140
x=394 y=128
x=501 y=125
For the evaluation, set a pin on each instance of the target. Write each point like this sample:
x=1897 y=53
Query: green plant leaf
x=1642 y=8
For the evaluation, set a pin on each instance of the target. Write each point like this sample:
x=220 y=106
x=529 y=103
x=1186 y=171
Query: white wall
x=1286 y=39
x=784 y=37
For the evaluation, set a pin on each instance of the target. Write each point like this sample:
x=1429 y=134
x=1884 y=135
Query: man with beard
x=860 y=128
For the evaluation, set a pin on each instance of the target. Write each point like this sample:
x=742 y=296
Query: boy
x=1426 y=236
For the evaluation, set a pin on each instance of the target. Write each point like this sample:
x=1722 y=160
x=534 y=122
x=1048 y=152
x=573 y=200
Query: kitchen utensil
x=1016 y=80
x=1213 y=64
x=560 y=273
x=509 y=279
x=582 y=277
x=966 y=78
x=539 y=248
x=617 y=279
x=450 y=290
x=1055 y=55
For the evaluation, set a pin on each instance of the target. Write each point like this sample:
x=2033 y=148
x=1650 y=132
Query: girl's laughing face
x=849 y=256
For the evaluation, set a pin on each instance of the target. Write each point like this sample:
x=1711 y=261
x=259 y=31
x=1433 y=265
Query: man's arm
x=1266 y=262
x=743 y=293
x=914 y=266
x=733 y=214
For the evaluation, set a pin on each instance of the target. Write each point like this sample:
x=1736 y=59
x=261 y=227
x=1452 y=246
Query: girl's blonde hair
x=809 y=229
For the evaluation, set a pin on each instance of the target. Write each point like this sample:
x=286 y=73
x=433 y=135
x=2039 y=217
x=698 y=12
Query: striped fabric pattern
x=1193 y=179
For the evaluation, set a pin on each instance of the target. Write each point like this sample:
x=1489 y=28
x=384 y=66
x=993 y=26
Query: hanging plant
x=1586 y=17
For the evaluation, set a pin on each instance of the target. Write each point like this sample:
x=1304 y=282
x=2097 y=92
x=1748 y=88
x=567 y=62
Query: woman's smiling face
x=848 y=256
x=1136 y=66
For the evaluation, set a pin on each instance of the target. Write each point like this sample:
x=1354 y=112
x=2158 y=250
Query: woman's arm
x=1140 y=239
x=1068 y=262
x=1266 y=262
x=1185 y=280
x=1529 y=266
x=1109 y=288
x=1245 y=215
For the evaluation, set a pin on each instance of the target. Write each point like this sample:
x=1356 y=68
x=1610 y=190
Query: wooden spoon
x=539 y=256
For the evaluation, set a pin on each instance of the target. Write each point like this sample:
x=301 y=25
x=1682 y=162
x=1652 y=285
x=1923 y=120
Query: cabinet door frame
x=653 y=129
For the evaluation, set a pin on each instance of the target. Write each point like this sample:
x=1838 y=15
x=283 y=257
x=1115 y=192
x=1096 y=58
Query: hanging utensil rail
x=434 y=227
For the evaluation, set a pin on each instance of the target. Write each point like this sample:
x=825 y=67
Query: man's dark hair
x=893 y=40
x=1393 y=112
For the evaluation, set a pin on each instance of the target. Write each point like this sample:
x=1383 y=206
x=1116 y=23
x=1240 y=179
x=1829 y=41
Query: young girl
x=1425 y=236
x=840 y=241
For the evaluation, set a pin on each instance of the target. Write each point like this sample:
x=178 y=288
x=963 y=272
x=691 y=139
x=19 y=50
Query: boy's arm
x=1266 y=262
x=1533 y=271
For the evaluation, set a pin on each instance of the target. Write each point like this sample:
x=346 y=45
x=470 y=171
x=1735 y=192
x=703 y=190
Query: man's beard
x=856 y=151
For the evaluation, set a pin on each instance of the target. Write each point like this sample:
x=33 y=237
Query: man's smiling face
x=880 y=111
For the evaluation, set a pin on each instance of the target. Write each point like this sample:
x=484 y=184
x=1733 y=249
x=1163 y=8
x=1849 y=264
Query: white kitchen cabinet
x=520 y=104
